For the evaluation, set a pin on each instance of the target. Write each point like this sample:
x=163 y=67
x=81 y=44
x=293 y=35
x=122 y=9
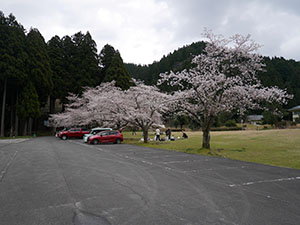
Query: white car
x=94 y=131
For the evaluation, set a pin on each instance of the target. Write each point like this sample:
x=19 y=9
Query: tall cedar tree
x=28 y=107
x=39 y=69
x=75 y=64
x=56 y=56
x=113 y=68
x=12 y=64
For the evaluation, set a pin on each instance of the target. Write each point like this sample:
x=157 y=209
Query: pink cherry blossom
x=224 y=79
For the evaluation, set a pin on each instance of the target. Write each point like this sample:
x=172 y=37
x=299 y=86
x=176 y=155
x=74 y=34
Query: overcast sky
x=145 y=30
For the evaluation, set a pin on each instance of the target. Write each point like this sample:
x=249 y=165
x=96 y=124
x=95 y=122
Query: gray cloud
x=145 y=30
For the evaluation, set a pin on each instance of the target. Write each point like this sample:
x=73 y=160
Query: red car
x=73 y=133
x=112 y=136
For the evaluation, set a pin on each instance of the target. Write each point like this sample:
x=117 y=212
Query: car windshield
x=95 y=131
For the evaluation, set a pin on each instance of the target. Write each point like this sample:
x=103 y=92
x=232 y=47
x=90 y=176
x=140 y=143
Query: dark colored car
x=73 y=133
x=106 y=137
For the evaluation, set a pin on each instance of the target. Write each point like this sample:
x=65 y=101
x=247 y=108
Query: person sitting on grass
x=184 y=135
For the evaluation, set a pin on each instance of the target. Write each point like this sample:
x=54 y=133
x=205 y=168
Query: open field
x=279 y=147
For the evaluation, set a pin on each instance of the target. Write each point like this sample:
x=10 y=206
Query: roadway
x=47 y=181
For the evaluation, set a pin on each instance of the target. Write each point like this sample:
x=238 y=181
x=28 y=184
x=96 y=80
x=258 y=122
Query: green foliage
x=279 y=72
x=29 y=105
x=38 y=65
x=113 y=68
x=230 y=123
x=177 y=61
x=59 y=73
x=223 y=118
x=285 y=74
x=12 y=46
x=226 y=128
x=270 y=117
x=35 y=70
x=75 y=64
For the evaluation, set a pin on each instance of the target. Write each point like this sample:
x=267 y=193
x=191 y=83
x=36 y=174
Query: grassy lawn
x=272 y=147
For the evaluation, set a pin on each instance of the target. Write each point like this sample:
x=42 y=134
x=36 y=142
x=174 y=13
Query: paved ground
x=47 y=181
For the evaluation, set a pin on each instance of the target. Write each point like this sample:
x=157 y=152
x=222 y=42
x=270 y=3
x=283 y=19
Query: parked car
x=73 y=133
x=57 y=133
x=94 y=131
x=112 y=136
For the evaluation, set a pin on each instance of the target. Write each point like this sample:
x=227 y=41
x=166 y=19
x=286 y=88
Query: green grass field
x=272 y=147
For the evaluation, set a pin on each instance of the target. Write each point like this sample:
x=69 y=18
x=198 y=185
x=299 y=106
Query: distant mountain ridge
x=279 y=71
x=178 y=60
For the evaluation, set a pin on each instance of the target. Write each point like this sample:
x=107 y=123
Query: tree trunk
x=30 y=126
x=52 y=105
x=3 y=109
x=145 y=134
x=16 y=118
x=206 y=139
x=11 y=131
x=35 y=126
x=16 y=125
x=12 y=111
x=25 y=128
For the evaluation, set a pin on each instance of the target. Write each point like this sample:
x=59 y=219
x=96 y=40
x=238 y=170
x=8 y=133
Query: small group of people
x=168 y=135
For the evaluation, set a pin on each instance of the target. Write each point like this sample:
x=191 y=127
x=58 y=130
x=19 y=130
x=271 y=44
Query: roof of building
x=255 y=117
x=296 y=108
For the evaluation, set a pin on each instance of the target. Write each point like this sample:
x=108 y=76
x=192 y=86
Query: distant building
x=295 y=113
x=254 y=119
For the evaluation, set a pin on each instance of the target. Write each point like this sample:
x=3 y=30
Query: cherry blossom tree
x=224 y=79
x=75 y=114
x=141 y=106
x=92 y=108
x=144 y=106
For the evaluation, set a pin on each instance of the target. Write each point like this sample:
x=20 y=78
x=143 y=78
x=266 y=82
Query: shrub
x=225 y=128
x=230 y=123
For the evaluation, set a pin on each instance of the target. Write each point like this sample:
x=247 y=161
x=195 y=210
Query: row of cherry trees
x=107 y=105
x=223 y=79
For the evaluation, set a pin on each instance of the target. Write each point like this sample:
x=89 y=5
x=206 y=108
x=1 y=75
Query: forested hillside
x=279 y=71
x=285 y=74
x=32 y=71
x=178 y=60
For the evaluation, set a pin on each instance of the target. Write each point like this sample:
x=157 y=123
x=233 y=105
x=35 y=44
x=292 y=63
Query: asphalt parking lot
x=50 y=181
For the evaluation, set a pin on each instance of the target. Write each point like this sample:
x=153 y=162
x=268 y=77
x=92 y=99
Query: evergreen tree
x=38 y=65
x=284 y=74
x=106 y=55
x=86 y=62
x=12 y=63
x=28 y=107
x=56 y=56
x=113 y=68
x=117 y=72
x=177 y=61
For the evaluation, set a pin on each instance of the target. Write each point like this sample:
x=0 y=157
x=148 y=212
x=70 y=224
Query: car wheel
x=118 y=141
x=95 y=142
x=64 y=137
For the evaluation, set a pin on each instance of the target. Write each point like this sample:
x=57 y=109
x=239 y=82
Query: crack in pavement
x=5 y=169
